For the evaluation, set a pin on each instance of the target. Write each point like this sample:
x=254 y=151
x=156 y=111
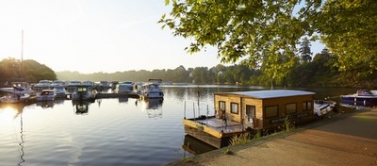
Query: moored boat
x=151 y=89
x=46 y=95
x=20 y=92
x=41 y=85
x=124 y=87
x=60 y=92
x=361 y=97
x=84 y=92
x=322 y=107
x=15 y=98
x=18 y=88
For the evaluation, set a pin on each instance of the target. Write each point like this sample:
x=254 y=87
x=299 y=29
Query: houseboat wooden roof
x=266 y=94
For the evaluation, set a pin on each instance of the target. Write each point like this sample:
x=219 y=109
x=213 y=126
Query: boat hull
x=359 y=100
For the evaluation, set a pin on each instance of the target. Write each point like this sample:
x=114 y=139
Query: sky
x=91 y=36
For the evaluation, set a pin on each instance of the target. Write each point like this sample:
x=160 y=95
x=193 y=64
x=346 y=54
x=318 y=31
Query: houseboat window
x=234 y=108
x=290 y=108
x=271 y=111
x=221 y=105
x=307 y=106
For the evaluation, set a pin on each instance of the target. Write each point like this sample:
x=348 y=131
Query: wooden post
x=185 y=111
x=193 y=109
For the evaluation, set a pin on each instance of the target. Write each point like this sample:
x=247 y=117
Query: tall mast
x=22 y=45
x=22 y=53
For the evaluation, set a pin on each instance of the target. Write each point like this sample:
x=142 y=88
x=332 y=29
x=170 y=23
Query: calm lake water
x=109 y=131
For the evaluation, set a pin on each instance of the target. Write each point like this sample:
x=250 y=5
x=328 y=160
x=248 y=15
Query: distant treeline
x=320 y=72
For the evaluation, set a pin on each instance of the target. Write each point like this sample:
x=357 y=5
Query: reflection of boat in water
x=357 y=106
x=152 y=106
x=153 y=103
x=49 y=104
x=123 y=99
x=82 y=107
x=196 y=146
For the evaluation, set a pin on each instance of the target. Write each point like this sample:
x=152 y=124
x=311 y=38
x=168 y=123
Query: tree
x=262 y=32
x=259 y=32
x=348 y=28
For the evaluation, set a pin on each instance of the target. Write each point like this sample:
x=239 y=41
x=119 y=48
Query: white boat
x=18 y=88
x=323 y=107
x=15 y=98
x=18 y=93
x=124 y=87
x=41 y=85
x=46 y=95
x=60 y=91
x=83 y=92
x=152 y=89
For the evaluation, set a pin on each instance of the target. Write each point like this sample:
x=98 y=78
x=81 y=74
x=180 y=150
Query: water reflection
x=152 y=106
x=49 y=104
x=123 y=100
x=22 y=142
x=196 y=146
x=358 y=105
x=82 y=107
x=18 y=109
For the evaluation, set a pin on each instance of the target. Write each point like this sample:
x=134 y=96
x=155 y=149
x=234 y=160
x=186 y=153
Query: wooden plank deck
x=219 y=125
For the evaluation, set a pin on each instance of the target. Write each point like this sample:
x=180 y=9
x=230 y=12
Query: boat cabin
x=265 y=109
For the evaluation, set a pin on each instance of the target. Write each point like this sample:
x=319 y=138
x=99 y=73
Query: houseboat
x=244 y=112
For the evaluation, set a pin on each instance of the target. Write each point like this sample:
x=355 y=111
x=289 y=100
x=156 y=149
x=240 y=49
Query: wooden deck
x=213 y=130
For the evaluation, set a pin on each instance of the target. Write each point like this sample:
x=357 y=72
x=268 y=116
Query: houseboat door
x=250 y=115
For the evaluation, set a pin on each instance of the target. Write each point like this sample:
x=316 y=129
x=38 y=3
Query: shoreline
x=342 y=139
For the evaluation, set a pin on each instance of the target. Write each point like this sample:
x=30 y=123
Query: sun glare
x=8 y=113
